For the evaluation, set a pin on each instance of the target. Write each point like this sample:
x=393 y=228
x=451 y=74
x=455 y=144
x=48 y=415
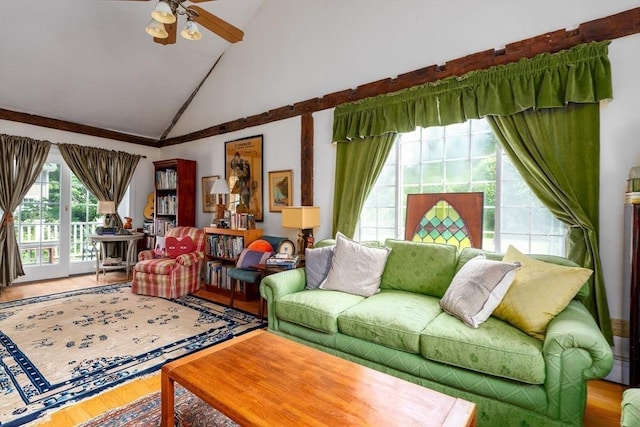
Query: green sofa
x=513 y=378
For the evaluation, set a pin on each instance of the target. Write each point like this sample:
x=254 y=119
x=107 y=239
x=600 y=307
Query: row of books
x=162 y=225
x=632 y=198
x=166 y=205
x=224 y=246
x=243 y=221
x=166 y=179
x=215 y=274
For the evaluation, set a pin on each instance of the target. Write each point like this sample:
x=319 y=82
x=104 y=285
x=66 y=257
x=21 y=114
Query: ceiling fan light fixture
x=163 y=13
x=156 y=29
x=191 y=31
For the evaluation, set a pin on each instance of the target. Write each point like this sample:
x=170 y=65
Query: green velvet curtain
x=557 y=152
x=580 y=75
x=358 y=165
x=21 y=161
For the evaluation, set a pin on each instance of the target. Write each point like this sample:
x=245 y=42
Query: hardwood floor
x=603 y=399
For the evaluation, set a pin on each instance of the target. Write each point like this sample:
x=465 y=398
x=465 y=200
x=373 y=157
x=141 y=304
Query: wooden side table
x=101 y=252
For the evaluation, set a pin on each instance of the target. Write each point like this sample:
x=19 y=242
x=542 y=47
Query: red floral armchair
x=177 y=273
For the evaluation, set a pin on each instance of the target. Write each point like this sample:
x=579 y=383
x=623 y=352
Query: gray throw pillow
x=317 y=263
x=355 y=268
x=477 y=289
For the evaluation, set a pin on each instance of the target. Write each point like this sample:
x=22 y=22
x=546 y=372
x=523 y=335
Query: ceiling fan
x=163 y=25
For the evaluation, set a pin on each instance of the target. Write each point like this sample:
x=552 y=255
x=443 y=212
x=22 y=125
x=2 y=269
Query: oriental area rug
x=61 y=348
x=190 y=411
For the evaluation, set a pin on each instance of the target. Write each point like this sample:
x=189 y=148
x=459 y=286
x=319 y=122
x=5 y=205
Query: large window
x=459 y=158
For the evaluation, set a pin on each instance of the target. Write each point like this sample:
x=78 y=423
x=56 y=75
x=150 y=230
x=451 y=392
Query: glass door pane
x=40 y=225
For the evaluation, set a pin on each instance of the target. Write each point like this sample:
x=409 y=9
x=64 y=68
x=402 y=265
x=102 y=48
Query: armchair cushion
x=179 y=245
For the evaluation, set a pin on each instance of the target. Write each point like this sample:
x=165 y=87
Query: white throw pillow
x=477 y=289
x=355 y=268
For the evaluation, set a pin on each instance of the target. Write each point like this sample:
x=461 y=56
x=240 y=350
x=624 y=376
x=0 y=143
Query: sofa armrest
x=189 y=259
x=575 y=351
x=145 y=255
x=275 y=286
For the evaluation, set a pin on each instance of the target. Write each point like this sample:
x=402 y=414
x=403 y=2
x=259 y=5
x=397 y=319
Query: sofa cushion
x=539 y=292
x=467 y=254
x=355 y=268
x=477 y=289
x=391 y=318
x=316 y=308
x=495 y=348
x=424 y=268
x=317 y=262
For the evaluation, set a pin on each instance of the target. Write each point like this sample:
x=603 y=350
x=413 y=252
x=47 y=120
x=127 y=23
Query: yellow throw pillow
x=538 y=293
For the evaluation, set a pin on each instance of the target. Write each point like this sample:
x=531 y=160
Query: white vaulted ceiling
x=92 y=63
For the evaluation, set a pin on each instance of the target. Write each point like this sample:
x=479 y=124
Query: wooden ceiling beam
x=47 y=122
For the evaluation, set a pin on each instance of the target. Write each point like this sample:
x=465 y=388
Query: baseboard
x=620 y=371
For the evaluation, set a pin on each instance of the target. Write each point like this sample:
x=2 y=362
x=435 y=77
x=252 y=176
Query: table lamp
x=219 y=189
x=107 y=208
x=304 y=218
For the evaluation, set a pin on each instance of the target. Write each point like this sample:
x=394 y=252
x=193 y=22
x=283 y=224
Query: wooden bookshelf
x=248 y=236
x=174 y=192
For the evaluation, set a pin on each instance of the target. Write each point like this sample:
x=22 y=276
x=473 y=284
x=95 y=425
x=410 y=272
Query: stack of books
x=283 y=261
x=632 y=196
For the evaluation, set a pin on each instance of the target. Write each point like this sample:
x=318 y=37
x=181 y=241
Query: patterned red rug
x=145 y=412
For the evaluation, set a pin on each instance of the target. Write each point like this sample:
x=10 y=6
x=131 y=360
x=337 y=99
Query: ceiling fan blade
x=216 y=25
x=172 y=29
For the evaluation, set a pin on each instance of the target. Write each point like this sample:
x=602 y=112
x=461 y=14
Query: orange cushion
x=260 y=245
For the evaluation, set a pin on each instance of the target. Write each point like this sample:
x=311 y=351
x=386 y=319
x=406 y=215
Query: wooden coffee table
x=267 y=380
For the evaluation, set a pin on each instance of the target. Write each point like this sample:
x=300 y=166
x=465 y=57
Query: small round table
x=101 y=252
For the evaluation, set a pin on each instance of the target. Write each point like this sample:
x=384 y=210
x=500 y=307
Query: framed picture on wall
x=209 y=202
x=280 y=190
x=243 y=172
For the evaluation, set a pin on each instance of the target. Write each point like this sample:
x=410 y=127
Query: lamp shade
x=163 y=13
x=219 y=187
x=156 y=29
x=191 y=31
x=106 y=207
x=301 y=217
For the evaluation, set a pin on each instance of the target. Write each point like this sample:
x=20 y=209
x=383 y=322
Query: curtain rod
x=59 y=143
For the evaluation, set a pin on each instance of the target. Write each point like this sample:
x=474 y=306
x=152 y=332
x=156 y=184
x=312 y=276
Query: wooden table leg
x=167 y=400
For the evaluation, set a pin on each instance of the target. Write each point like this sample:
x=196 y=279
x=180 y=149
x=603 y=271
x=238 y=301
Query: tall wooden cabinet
x=175 y=194
x=632 y=275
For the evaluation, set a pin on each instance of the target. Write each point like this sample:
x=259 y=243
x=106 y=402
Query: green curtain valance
x=578 y=75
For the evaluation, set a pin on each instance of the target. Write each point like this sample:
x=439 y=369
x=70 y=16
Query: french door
x=53 y=224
